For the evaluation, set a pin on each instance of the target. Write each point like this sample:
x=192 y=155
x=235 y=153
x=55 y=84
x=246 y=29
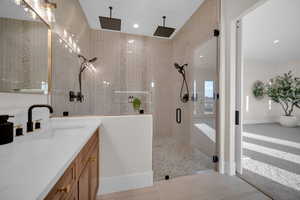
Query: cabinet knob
x=92 y=159
x=65 y=189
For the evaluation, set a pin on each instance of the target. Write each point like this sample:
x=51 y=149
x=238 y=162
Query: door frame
x=238 y=56
x=239 y=97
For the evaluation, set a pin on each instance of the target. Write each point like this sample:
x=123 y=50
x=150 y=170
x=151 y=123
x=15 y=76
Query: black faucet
x=30 y=123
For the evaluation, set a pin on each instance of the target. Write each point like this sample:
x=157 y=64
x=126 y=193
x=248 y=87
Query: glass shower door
x=204 y=78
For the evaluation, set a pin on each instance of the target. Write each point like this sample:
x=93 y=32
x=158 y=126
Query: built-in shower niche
x=125 y=98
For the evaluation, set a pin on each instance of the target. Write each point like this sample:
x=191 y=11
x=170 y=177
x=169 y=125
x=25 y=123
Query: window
x=209 y=97
x=209 y=89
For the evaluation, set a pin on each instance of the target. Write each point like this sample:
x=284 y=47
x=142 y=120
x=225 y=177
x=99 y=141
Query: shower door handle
x=178 y=116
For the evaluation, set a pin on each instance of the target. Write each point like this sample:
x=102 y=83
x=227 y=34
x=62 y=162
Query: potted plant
x=285 y=90
x=258 y=89
x=136 y=104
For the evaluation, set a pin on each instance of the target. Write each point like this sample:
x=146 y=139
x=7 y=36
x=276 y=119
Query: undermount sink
x=60 y=127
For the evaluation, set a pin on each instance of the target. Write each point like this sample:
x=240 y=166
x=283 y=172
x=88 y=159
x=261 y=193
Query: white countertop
x=32 y=164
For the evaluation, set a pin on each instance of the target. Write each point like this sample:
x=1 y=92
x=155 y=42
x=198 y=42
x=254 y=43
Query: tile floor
x=205 y=186
x=272 y=159
x=167 y=161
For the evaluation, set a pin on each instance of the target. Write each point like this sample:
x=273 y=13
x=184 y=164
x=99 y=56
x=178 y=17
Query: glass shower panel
x=204 y=75
x=192 y=144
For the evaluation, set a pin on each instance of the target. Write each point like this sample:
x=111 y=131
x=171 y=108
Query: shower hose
x=184 y=98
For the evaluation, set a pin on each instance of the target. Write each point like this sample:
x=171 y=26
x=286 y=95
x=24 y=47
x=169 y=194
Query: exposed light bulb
x=152 y=84
x=49 y=14
x=18 y=2
x=36 y=3
x=70 y=41
x=65 y=33
x=136 y=26
x=33 y=14
x=93 y=68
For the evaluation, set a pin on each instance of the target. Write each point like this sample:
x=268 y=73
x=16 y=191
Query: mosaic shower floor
x=168 y=161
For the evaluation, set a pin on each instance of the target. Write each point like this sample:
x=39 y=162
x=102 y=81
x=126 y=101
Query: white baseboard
x=221 y=166
x=262 y=121
x=226 y=168
x=126 y=182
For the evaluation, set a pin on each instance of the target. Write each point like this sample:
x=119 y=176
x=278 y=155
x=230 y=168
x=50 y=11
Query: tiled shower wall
x=132 y=65
x=70 y=17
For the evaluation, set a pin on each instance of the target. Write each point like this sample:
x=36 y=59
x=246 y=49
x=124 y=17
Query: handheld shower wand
x=181 y=69
x=84 y=65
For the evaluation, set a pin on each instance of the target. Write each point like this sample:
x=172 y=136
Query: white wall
x=261 y=110
x=231 y=10
x=126 y=153
x=18 y=104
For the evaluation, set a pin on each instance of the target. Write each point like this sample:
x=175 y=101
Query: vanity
x=81 y=179
x=58 y=163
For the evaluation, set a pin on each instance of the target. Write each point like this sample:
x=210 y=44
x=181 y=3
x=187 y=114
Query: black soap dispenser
x=6 y=130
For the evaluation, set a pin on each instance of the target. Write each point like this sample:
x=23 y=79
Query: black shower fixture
x=84 y=65
x=181 y=69
x=110 y=23
x=163 y=31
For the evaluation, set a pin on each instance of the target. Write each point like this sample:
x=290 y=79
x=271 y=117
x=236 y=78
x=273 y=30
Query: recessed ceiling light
x=201 y=56
x=276 y=41
x=136 y=26
x=130 y=41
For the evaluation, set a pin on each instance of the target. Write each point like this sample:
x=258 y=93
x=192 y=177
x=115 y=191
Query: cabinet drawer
x=85 y=154
x=65 y=186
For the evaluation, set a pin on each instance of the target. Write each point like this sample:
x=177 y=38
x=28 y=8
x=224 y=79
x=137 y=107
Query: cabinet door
x=74 y=194
x=83 y=184
x=94 y=172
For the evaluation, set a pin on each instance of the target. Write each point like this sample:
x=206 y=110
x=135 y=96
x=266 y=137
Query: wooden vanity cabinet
x=81 y=180
x=94 y=172
x=89 y=177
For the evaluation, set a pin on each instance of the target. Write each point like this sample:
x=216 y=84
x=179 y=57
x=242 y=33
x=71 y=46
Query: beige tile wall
x=133 y=66
x=70 y=17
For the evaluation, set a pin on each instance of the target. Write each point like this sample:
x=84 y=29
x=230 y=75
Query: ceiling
x=274 y=20
x=147 y=13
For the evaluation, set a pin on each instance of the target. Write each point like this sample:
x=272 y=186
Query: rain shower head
x=163 y=31
x=110 y=23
